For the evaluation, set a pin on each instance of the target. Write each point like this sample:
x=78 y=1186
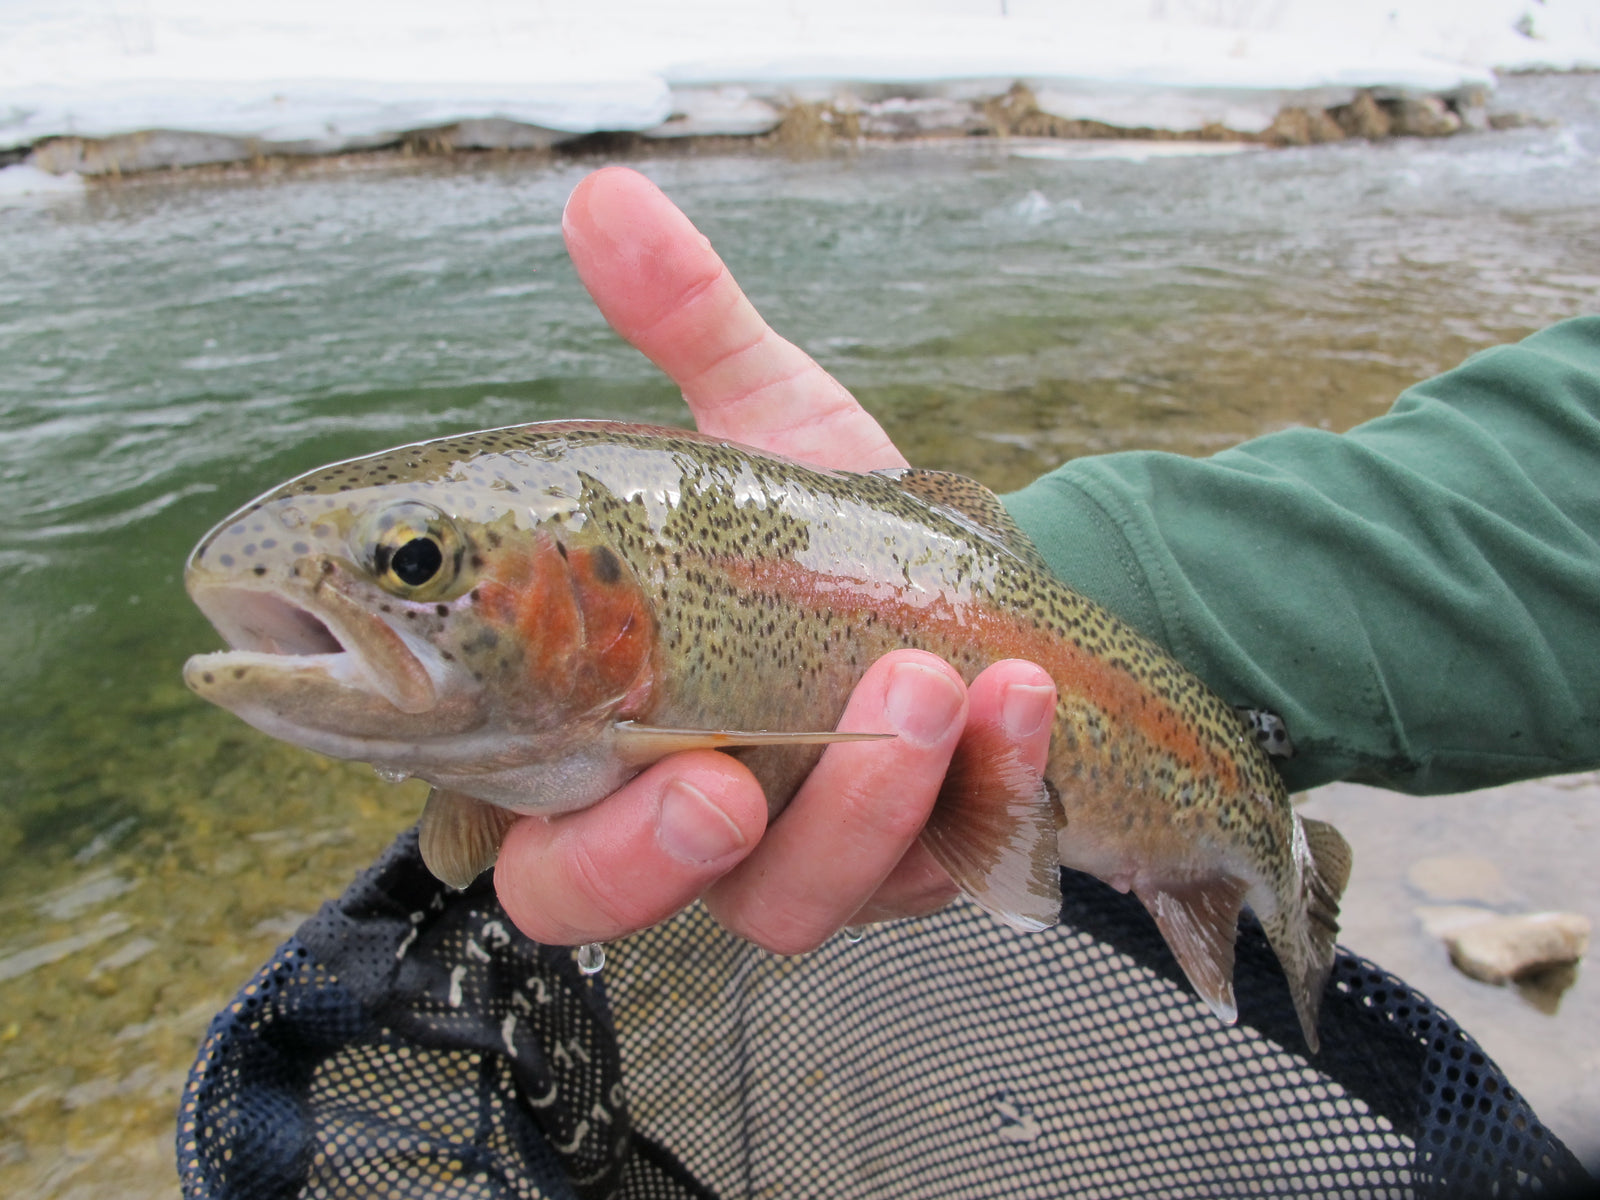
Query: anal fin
x=460 y=837
x=1200 y=922
x=994 y=828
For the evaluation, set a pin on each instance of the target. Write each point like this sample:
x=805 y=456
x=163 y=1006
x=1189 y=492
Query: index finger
x=659 y=283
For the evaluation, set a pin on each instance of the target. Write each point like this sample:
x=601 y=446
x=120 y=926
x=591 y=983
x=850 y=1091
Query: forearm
x=1419 y=598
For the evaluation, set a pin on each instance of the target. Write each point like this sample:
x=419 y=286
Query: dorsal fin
x=970 y=503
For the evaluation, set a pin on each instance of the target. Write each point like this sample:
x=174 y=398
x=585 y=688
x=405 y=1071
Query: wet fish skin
x=605 y=594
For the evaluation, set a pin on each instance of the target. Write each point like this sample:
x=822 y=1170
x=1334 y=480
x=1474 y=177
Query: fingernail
x=692 y=829
x=1025 y=707
x=921 y=712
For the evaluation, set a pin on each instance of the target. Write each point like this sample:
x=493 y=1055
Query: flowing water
x=169 y=349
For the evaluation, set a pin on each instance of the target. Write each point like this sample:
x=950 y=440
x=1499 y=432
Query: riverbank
x=115 y=89
x=801 y=126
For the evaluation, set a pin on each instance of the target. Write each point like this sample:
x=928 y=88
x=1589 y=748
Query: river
x=173 y=346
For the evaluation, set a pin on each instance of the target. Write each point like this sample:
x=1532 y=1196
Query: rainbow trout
x=527 y=617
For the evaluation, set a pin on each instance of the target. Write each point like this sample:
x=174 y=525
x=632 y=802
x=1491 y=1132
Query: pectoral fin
x=994 y=827
x=641 y=744
x=1200 y=922
x=460 y=837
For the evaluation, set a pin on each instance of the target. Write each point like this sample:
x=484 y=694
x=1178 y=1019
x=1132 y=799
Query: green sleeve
x=1418 y=598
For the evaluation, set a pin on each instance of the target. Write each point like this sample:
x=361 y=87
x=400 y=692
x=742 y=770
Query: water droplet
x=855 y=934
x=591 y=957
x=391 y=774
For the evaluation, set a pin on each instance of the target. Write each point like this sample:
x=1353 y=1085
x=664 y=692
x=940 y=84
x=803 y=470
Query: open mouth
x=267 y=624
x=339 y=641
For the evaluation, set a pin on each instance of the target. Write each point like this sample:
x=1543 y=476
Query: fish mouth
x=281 y=644
x=267 y=624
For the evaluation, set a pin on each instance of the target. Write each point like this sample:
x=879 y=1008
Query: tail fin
x=1304 y=939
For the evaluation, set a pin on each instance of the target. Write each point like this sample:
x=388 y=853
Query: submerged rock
x=1500 y=949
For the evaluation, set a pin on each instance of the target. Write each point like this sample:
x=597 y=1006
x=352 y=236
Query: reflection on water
x=170 y=351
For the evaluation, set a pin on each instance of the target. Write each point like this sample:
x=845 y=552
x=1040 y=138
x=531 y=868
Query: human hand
x=695 y=825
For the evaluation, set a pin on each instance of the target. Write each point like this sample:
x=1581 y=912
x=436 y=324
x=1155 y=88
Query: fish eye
x=417 y=562
x=413 y=550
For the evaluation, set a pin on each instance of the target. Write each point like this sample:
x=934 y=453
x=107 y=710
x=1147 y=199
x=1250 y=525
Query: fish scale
x=576 y=599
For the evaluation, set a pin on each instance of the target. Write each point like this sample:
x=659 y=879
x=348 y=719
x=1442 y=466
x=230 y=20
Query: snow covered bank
x=118 y=85
x=22 y=182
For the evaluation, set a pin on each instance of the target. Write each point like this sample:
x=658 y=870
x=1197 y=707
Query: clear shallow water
x=168 y=351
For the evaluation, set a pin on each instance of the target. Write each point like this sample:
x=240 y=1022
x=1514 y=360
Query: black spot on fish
x=259 y=570
x=606 y=567
x=208 y=677
x=240 y=672
x=442 y=610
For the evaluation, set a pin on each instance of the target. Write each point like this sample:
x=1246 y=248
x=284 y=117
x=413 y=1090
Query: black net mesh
x=408 y=1041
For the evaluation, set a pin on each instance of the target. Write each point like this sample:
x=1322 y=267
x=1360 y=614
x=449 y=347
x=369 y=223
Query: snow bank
x=21 y=183
x=300 y=76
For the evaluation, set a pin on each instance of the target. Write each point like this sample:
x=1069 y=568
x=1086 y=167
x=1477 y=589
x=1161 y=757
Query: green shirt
x=1418 y=598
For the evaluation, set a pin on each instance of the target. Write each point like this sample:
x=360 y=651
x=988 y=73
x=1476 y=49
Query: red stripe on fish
x=1077 y=670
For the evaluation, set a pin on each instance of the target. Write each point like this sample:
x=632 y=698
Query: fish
x=527 y=617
